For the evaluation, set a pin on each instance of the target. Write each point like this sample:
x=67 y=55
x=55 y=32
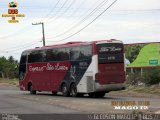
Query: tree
x=11 y=59
x=132 y=51
x=7 y=67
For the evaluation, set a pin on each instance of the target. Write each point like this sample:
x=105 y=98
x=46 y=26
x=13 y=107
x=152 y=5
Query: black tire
x=97 y=94
x=92 y=95
x=65 y=90
x=80 y=94
x=33 y=92
x=54 y=93
x=100 y=94
x=73 y=90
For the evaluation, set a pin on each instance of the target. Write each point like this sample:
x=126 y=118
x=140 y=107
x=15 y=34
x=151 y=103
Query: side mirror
x=16 y=69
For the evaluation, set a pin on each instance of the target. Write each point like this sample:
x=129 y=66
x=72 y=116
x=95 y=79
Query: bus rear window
x=110 y=53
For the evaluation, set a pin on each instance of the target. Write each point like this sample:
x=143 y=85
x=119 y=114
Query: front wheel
x=33 y=92
x=54 y=93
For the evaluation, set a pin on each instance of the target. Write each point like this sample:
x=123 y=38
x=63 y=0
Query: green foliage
x=140 y=56
x=132 y=51
x=7 y=67
x=135 y=78
x=149 y=76
x=152 y=76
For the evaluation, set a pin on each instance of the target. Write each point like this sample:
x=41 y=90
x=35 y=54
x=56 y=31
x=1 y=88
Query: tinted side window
x=62 y=54
x=81 y=52
x=75 y=53
x=36 y=56
x=66 y=55
x=57 y=54
x=50 y=55
x=86 y=51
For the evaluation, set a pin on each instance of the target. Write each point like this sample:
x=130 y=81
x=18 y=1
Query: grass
x=9 y=81
x=154 y=89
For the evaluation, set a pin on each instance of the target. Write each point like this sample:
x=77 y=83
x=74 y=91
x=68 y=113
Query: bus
x=74 y=68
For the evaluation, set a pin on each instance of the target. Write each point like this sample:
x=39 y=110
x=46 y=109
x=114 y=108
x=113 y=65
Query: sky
x=131 y=21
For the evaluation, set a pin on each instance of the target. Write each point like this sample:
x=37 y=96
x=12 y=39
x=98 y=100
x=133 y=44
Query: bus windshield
x=110 y=53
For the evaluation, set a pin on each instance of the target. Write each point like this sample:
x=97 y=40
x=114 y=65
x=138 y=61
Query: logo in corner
x=13 y=4
x=13 y=12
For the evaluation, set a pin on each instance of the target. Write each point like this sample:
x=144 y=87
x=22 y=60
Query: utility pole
x=42 y=31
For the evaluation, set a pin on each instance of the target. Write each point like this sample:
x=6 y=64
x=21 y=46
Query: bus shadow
x=59 y=95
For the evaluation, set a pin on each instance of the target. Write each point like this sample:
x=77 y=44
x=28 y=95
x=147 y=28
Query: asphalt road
x=14 y=101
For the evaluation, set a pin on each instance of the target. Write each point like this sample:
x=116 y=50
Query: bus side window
x=86 y=51
x=66 y=54
x=74 y=53
x=81 y=52
x=36 y=56
x=31 y=57
x=62 y=54
x=50 y=55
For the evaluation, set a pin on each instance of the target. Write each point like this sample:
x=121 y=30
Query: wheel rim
x=31 y=88
x=64 y=89
x=72 y=92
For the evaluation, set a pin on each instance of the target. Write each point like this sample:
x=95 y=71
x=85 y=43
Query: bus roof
x=77 y=43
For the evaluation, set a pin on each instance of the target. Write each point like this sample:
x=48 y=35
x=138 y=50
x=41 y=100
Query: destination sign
x=110 y=48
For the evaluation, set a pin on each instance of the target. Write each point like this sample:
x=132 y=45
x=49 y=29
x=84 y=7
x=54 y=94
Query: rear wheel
x=65 y=90
x=33 y=92
x=97 y=94
x=73 y=90
x=92 y=95
x=101 y=94
x=80 y=95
